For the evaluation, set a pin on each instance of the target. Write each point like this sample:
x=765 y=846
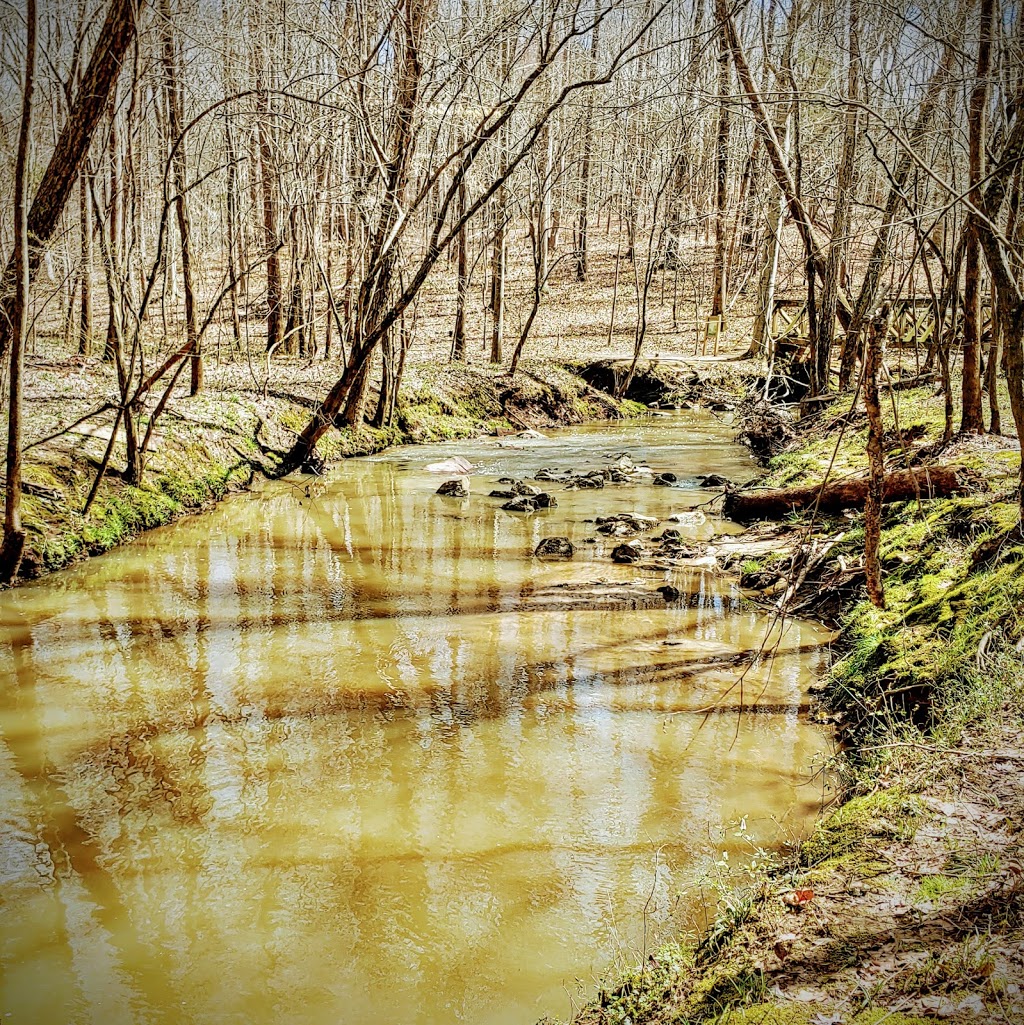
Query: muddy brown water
x=360 y=758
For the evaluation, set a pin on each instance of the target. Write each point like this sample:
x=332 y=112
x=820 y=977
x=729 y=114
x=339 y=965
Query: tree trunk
x=880 y=254
x=172 y=93
x=85 y=310
x=837 y=247
x=14 y=535
x=1013 y=318
x=459 y=338
x=114 y=215
x=995 y=351
x=761 y=336
x=583 y=225
x=972 y=419
x=268 y=172
x=499 y=254
x=718 y=299
x=72 y=145
x=900 y=486
x=876 y=457
x=776 y=154
x=232 y=232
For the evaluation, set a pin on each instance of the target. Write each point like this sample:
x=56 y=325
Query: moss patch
x=842 y=838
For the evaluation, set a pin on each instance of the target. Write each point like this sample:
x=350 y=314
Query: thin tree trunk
x=720 y=272
x=776 y=153
x=232 y=231
x=268 y=170
x=972 y=420
x=72 y=145
x=880 y=252
x=172 y=92
x=583 y=224
x=876 y=457
x=837 y=248
x=14 y=535
x=85 y=310
x=499 y=253
x=462 y=243
x=995 y=351
x=115 y=214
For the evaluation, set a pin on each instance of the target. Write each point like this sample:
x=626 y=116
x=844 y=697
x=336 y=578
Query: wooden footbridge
x=912 y=326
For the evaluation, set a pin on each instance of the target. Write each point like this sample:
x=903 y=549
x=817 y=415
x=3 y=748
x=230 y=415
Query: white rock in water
x=692 y=518
x=454 y=465
x=703 y=561
x=645 y=522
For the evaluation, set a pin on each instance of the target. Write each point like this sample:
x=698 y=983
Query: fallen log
x=900 y=486
x=906 y=383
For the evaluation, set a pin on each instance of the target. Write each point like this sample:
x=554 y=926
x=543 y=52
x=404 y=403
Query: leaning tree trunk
x=761 y=339
x=72 y=145
x=880 y=254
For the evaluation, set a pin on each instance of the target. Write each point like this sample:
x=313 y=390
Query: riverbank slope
x=907 y=902
x=208 y=445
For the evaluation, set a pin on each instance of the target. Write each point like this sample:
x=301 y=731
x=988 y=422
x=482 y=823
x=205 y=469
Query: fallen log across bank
x=900 y=486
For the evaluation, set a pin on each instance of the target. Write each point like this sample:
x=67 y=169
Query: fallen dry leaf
x=798 y=898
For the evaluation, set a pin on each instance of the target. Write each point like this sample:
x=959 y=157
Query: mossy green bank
x=205 y=446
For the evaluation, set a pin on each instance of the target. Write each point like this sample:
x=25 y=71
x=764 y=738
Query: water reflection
x=362 y=758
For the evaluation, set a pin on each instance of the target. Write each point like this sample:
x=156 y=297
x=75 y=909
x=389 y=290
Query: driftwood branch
x=900 y=486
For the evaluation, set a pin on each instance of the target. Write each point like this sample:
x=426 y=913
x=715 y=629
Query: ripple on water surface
x=362 y=758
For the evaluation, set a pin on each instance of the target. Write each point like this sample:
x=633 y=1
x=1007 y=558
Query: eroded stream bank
x=359 y=756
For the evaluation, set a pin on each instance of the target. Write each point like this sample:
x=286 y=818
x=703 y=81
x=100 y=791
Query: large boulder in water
x=454 y=465
x=555 y=548
x=456 y=488
x=624 y=524
x=522 y=488
x=590 y=480
x=545 y=501
x=713 y=480
x=520 y=504
x=630 y=551
x=618 y=528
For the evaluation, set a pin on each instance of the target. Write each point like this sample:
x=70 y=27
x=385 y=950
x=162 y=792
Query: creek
x=358 y=757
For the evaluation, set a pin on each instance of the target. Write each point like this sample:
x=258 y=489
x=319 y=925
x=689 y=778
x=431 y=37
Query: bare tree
x=72 y=145
x=14 y=536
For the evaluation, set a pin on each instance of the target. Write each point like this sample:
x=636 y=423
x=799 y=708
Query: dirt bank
x=206 y=446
